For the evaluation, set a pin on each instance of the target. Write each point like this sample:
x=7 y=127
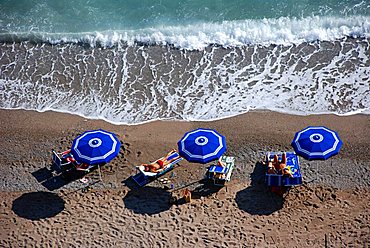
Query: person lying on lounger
x=160 y=164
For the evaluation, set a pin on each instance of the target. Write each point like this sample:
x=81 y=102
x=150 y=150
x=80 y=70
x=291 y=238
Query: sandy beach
x=330 y=209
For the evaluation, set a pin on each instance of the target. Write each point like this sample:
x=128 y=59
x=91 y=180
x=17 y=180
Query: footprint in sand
x=125 y=149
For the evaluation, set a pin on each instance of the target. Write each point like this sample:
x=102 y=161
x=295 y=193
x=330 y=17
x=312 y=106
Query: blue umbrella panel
x=316 y=143
x=95 y=147
x=202 y=145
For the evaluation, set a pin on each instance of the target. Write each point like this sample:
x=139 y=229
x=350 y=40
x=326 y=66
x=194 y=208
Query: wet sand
x=331 y=207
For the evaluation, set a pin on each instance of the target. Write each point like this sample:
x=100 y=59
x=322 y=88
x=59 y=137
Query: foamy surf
x=140 y=83
x=280 y=31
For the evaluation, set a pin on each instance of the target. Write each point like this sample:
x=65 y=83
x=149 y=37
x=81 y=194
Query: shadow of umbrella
x=147 y=200
x=204 y=190
x=38 y=205
x=257 y=199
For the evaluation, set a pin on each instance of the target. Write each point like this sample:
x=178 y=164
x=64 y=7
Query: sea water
x=137 y=61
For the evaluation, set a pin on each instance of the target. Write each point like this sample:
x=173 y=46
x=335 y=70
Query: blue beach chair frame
x=285 y=180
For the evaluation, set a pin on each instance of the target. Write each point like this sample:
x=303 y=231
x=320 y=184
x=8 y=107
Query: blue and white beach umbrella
x=316 y=143
x=202 y=145
x=95 y=147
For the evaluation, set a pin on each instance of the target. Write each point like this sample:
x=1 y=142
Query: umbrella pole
x=100 y=173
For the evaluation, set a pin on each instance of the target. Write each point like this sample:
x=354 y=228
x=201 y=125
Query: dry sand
x=330 y=208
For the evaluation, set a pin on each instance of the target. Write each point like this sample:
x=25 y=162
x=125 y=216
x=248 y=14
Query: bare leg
x=283 y=160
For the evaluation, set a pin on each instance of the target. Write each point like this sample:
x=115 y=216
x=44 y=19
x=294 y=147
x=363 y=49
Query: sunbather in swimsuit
x=160 y=164
x=277 y=167
x=271 y=165
x=271 y=168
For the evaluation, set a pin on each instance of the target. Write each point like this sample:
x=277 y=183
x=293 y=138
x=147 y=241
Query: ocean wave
x=280 y=31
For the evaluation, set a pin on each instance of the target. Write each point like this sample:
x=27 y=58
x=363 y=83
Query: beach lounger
x=284 y=180
x=144 y=177
x=218 y=174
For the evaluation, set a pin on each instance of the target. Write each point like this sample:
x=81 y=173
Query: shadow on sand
x=53 y=178
x=153 y=200
x=38 y=205
x=130 y=183
x=205 y=189
x=258 y=199
x=147 y=200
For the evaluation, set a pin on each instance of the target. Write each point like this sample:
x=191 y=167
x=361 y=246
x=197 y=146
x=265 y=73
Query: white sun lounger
x=221 y=174
x=145 y=177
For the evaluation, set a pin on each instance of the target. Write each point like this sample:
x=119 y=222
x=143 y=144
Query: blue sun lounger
x=219 y=175
x=284 y=180
x=143 y=177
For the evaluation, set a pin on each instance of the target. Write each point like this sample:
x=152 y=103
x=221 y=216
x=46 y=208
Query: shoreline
x=353 y=113
x=244 y=212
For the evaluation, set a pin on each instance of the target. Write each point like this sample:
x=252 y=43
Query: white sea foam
x=137 y=84
x=281 y=31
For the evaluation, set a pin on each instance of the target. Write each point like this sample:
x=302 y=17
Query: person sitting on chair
x=219 y=176
x=160 y=164
x=67 y=156
x=271 y=168
x=270 y=165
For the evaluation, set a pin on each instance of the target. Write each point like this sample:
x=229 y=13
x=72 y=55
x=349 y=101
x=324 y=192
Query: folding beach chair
x=69 y=167
x=218 y=174
x=60 y=161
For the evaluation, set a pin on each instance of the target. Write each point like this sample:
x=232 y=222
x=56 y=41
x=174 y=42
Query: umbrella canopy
x=202 y=145
x=314 y=143
x=95 y=147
